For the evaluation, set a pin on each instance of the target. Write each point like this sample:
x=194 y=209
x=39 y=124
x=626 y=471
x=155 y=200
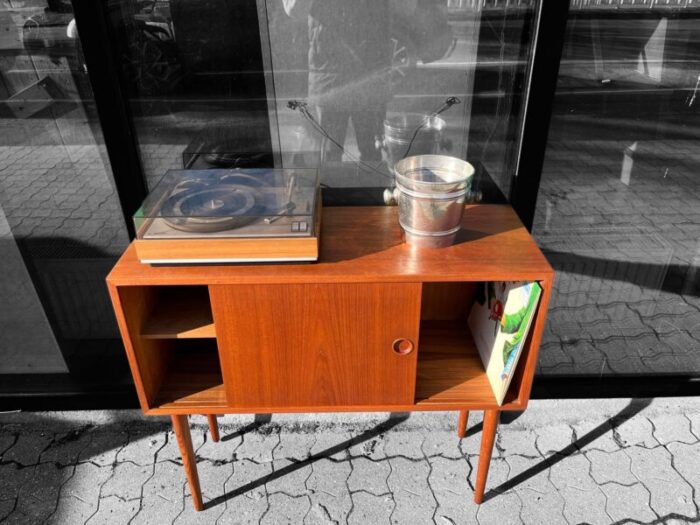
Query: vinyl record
x=206 y=208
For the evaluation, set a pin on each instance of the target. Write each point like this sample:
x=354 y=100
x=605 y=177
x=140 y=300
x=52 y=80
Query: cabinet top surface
x=364 y=244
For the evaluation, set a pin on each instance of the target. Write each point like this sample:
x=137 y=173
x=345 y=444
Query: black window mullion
x=540 y=91
x=111 y=105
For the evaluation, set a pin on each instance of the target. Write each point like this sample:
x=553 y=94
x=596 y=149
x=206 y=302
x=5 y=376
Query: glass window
x=348 y=87
x=61 y=227
x=618 y=211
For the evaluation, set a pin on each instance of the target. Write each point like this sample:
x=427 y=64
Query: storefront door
x=618 y=212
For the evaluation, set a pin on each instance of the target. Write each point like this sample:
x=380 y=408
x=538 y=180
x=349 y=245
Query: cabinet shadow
x=367 y=435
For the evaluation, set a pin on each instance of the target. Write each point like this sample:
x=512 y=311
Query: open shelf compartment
x=173 y=344
x=449 y=369
x=179 y=312
x=192 y=376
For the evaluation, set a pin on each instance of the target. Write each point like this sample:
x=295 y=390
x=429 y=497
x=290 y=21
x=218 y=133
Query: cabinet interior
x=174 y=342
x=449 y=368
x=178 y=312
x=193 y=375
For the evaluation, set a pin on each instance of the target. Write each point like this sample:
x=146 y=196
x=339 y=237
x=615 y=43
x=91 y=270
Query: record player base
x=373 y=326
x=241 y=250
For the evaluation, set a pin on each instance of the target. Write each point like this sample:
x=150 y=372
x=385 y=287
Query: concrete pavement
x=578 y=461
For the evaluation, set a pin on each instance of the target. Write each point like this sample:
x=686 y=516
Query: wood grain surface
x=449 y=376
x=148 y=358
x=462 y=423
x=316 y=344
x=364 y=244
x=310 y=342
x=192 y=378
x=181 y=427
x=328 y=336
x=213 y=427
x=226 y=249
x=179 y=312
x=450 y=370
x=447 y=301
x=488 y=437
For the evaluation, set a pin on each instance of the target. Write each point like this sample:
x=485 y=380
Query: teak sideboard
x=374 y=325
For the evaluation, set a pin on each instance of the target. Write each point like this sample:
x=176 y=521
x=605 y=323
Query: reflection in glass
x=618 y=208
x=61 y=226
x=360 y=85
x=349 y=87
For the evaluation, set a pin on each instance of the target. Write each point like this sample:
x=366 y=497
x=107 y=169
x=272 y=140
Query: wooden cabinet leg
x=488 y=436
x=462 y=423
x=213 y=427
x=181 y=426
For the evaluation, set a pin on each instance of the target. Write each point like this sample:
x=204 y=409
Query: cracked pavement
x=569 y=462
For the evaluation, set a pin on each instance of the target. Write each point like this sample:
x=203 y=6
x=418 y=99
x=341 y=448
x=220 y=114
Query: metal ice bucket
x=432 y=189
x=411 y=134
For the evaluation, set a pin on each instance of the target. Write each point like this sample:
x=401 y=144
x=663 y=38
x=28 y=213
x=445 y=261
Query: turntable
x=230 y=215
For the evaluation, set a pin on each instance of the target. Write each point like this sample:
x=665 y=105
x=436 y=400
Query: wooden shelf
x=180 y=312
x=193 y=378
x=450 y=371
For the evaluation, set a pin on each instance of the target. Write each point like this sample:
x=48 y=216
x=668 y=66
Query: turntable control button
x=295 y=226
x=303 y=226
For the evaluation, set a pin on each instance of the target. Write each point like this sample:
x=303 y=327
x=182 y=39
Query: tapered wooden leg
x=488 y=436
x=213 y=427
x=462 y=423
x=184 y=440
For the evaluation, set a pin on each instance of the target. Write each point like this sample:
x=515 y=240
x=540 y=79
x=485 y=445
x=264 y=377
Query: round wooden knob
x=402 y=346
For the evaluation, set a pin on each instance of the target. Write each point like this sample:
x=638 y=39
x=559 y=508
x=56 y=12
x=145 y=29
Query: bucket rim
x=461 y=170
x=434 y=122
